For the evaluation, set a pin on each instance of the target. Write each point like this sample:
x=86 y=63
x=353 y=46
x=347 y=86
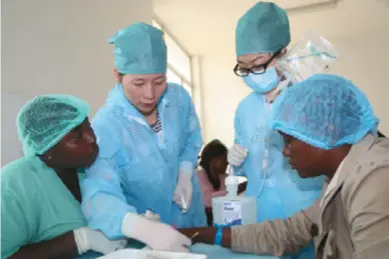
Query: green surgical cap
x=46 y=119
x=262 y=29
x=140 y=49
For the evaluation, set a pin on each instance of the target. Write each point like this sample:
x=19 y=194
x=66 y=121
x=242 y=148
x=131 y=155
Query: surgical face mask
x=263 y=83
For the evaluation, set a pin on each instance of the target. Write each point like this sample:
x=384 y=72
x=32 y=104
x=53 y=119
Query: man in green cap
x=41 y=216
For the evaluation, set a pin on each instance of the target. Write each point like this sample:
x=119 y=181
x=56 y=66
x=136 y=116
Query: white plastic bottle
x=232 y=209
x=232 y=184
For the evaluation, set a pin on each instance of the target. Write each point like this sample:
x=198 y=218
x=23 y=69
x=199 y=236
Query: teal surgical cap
x=46 y=119
x=325 y=111
x=140 y=49
x=262 y=29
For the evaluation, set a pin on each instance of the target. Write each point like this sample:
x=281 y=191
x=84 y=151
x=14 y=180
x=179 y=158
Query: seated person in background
x=41 y=215
x=213 y=162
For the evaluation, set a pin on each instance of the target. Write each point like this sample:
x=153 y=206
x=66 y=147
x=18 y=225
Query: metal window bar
x=165 y=30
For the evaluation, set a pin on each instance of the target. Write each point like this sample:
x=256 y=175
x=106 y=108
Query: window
x=157 y=25
x=177 y=58
x=188 y=88
x=179 y=62
x=173 y=77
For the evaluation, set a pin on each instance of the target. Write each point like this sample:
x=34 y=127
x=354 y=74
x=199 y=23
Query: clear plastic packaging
x=312 y=54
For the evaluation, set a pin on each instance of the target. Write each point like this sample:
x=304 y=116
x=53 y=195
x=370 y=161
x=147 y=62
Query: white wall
x=197 y=92
x=364 y=58
x=221 y=93
x=11 y=148
x=60 y=47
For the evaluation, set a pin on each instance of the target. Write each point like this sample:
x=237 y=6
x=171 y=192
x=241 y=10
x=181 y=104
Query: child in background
x=213 y=162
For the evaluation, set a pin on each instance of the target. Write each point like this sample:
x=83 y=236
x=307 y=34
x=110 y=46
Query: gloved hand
x=152 y=216
x=87 y=239
x=184 y=190
x=236 y=155
x=156 y=235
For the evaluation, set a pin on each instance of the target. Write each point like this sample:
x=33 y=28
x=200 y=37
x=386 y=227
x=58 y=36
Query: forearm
x=194 y=140
x=207 y=235
x=267 y=238
x=61 y=247
x=108 y=218
x=277 y=237
x=270 y=238
x=186 y=166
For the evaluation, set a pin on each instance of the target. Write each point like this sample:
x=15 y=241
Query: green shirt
x=35 y=205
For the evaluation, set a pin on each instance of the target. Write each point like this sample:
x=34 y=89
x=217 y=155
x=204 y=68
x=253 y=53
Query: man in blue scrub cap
x=262 y=35
x=149 y=138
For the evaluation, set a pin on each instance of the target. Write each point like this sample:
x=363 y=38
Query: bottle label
x=232 y=213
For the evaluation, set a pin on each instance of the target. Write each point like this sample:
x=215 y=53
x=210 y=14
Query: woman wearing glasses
x=262 y=35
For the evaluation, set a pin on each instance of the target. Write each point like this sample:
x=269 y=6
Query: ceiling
x=204 y=26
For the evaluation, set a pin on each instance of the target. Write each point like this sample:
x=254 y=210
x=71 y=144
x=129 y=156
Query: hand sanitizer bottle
x=232 y=209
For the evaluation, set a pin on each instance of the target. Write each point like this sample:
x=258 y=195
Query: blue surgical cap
x=140 y=49
x=325 y=111
x=46 y=119
x=262 y=29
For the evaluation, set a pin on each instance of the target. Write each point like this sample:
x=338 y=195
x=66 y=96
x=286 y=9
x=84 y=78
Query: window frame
x=156 y=23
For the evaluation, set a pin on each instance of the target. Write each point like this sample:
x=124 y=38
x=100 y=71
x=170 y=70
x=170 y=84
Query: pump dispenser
x=233 y=209
x=231 y=183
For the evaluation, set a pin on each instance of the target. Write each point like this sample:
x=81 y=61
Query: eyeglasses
x=256 y=70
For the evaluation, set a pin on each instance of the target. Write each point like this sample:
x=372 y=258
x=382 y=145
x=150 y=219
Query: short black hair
x=213 y=149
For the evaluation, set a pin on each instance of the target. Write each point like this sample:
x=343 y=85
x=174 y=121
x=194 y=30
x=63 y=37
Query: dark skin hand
x=77 y=149
x=242 y=187
x=207 y=235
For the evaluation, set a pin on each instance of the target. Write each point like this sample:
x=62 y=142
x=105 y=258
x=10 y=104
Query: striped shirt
x=157 y=126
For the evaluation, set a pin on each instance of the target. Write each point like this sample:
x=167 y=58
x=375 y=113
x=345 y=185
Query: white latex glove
x=156 y=235
x=184 y=191
x=152 y=216
x=87 y=239
x=236 y=155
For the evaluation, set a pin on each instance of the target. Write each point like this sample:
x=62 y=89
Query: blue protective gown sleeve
x=195 y=217
x=238 y=170
x=104 y=203
x=194 y=140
